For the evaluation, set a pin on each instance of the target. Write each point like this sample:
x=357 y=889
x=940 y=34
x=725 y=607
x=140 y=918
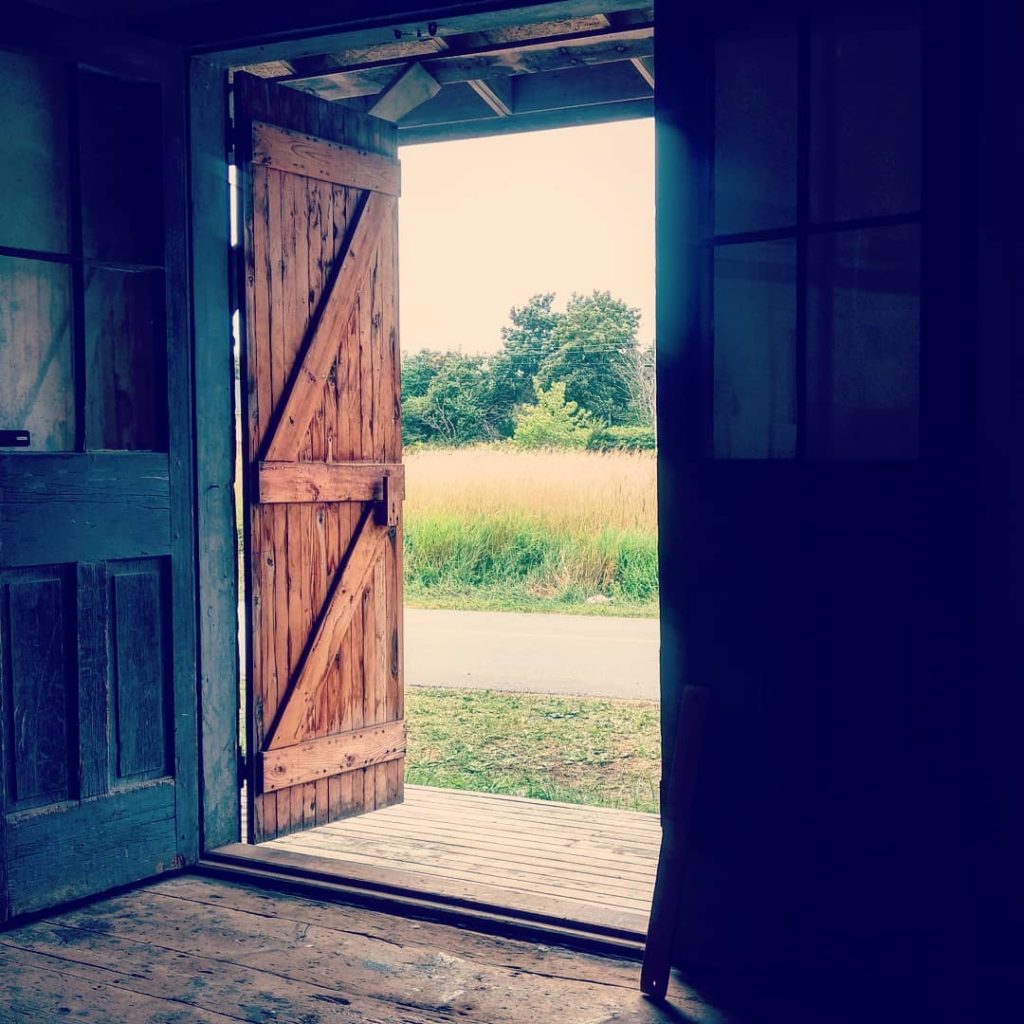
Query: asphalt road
x=569 y=654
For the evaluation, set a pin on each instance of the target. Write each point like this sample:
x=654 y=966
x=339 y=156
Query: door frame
x=213 y=298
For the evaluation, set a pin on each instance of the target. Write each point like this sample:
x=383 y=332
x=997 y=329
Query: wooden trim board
x=291 y=151
x=331 y=755
x=472 y=901
x=286 y=482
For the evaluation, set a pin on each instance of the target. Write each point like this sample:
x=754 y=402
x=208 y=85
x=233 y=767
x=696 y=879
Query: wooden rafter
x=413 y=86
x=490 y=93
x=456 y=25
x=644 y=68
x=593 y=46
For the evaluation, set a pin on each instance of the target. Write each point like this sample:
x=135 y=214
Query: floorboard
x=192 y=949
x=596 y=857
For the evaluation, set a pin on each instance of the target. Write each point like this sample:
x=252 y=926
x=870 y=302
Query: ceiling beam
x=600 y=113
x=551 y=53
x=559 y=90
x=415 y=85
x=385 y=23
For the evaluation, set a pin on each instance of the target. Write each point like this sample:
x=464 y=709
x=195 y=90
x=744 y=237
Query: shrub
x=552 y=422
x=630 y=439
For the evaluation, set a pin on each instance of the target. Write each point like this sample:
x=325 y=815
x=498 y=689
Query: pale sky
x=486 y=223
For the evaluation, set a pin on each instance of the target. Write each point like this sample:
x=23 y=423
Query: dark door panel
x=97 y=608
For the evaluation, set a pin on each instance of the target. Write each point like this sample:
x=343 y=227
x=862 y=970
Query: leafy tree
x=454 y=406
x=643 y=386
x=594 y=354
x=526 y=343
x=419 y=370
x=553 y=422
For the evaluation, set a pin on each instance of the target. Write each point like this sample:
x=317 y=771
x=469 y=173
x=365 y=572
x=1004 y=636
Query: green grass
x=575 y=749
x=511 y=561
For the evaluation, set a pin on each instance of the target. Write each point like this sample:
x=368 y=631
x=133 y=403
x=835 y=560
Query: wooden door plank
x=325 y=756
x=334 y=623
x=298 y=406
x=289 y=482
x=312 y=157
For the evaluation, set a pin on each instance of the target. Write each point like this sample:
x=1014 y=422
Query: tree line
x=577 y=378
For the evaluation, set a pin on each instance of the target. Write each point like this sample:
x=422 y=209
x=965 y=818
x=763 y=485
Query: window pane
x=865 y=142
x=125 y=360
x=755 y=129
x=754 y=362
x=33 y=153
x=121 y=160
x=863 y=344
x=37 y=391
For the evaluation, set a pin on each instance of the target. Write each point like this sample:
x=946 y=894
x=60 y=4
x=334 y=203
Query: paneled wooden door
x=324 y=480
x=97 y=606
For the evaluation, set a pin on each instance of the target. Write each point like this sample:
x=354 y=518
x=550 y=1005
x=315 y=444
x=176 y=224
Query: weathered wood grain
x=137 y=616
x=601 y=860
x=316 y=760
x=59 y=507
x=331 y=630
x=321 y=352
x=215 y=455
x=299 y=231
x=311 y=157
x=38 y=640
x=92 y=845
x=194 y=950
x=289 y=482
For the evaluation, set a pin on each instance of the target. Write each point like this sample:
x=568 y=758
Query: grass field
x=576 y=749
x=496 y=528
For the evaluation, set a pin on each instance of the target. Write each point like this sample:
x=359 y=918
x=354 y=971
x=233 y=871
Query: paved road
x=596 y=656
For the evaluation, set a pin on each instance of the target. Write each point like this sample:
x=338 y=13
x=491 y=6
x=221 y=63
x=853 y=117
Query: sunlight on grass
x=506 y=529
x=582 y=750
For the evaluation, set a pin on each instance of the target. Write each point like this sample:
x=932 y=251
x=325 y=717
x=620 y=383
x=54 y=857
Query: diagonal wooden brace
x=300 y=400
x=298 y=707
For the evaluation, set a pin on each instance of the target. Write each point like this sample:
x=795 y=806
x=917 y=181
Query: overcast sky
x=486 y=223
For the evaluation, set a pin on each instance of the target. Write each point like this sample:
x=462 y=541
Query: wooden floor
x=590 y=857
x=187 y=950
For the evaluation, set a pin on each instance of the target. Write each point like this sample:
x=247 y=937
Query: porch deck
x=192 y=950
x=588 y=863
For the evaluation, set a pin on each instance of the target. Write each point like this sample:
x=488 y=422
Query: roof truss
x=491 y=76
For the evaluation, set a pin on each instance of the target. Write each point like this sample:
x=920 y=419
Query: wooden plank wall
x=294 y=238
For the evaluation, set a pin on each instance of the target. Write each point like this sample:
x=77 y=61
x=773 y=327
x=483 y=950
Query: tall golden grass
x=576 y=491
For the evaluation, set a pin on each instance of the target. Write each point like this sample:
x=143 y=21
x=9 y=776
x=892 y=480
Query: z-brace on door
x=324 y=480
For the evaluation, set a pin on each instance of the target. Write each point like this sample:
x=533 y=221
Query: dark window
x=817 y=194
x=82 y=304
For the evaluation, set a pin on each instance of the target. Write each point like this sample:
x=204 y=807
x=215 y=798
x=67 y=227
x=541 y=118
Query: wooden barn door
x=324 y=480
x=97 y=605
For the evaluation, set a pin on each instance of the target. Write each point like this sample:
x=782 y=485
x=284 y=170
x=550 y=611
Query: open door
x=322 y=452
x=97 y=614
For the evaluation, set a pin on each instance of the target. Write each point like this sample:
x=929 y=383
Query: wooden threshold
x=478 y=907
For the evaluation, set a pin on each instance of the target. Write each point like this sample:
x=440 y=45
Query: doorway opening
x=566 y=393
